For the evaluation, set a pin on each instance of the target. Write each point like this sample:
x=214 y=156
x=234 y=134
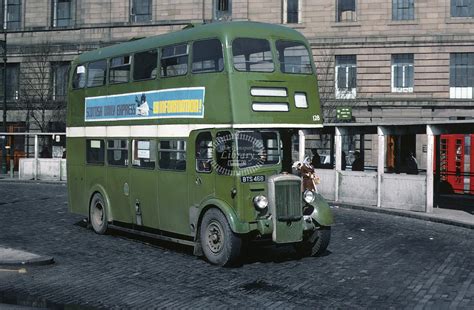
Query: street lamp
x=4 y=125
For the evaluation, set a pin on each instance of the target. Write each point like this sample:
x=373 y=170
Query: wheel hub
x=214 y=236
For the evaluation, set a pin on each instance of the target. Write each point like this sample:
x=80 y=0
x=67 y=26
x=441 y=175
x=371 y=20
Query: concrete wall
x=403 y=191
x=48 y=169
x=358 y=187
x=399 y=191
x=328 y=181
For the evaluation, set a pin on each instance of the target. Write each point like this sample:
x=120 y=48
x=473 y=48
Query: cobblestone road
x=374 y=260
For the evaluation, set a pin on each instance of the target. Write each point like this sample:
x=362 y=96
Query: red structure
x=456 y=167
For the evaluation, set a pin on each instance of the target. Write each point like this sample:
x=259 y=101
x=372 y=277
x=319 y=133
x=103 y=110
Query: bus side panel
x=173 y=201
x=95 y=177
x=75 y=176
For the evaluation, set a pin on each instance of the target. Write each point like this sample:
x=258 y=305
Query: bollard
x=12 y=163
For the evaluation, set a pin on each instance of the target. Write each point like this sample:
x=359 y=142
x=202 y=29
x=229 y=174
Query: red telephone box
x=452 y=162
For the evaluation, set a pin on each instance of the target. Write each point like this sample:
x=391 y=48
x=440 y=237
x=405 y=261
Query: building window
x=461 y=79
x=141 y=11
x=13 y=82
x=222 y=9
x=11 y=14
x=346 y=11
x=403 y=9
x=346 y=76
x=402 y=72
x=291 y=14
x=117 y=152
x=462 y=8
x=62 y=13
x=60 y=80
x=172 y=155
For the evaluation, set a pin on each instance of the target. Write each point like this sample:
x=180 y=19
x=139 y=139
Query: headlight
x=260 y=202
x=308 y=196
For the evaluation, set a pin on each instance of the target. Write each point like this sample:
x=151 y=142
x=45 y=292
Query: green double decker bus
x=189 y=137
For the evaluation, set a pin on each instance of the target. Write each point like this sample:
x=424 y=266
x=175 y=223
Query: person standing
x=316 y=160
x=357 y=164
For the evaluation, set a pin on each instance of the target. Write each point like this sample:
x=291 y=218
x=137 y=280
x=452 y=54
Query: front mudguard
x=321 y=212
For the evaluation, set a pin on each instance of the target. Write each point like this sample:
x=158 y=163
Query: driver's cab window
x=224 y=152
x=204 y=152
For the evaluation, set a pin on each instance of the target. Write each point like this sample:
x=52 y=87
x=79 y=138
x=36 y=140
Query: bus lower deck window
x=204 y=152
x=95 y=152
x=117 y=152
x=172 y=155
x=144 y=153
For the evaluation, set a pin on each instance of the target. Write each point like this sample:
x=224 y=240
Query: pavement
x=374 y=260
x=9 y=256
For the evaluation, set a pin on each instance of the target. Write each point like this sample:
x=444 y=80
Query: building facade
x=389 y=60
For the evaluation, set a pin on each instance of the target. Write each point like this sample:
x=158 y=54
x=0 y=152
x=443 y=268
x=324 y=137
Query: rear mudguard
x=322 y=213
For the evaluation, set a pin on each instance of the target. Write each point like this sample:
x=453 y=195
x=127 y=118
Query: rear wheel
x=98 y=214
x=315 y=243
x=220 y=244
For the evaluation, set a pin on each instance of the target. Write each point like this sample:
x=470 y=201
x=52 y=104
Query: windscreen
x=252 y=55
x=294 y=57
x=256 y=148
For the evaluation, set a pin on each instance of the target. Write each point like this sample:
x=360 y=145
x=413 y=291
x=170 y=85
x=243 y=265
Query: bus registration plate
x=253 y=179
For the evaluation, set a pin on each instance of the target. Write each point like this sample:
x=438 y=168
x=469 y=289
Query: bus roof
x=221 y=30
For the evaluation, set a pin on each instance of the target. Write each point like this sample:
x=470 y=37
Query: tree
x=38 y=91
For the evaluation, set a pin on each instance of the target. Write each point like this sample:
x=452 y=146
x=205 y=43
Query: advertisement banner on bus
x=167 y=103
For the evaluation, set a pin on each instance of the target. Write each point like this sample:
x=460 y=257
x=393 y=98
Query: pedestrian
x=343 y=161
x=316 y=160
x=357 y=164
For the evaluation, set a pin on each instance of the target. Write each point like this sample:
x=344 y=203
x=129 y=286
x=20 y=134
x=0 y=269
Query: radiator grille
x=288 y=200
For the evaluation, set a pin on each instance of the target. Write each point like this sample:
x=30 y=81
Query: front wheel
x=315 y=243
x=220 y=244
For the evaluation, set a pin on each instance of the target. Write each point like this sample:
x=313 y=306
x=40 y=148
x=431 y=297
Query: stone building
x=390 y=60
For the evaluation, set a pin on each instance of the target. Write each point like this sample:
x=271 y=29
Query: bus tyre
x=315 y=243
x=220 y=244
x=98 y=214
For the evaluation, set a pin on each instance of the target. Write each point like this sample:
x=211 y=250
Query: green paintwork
x=229 y=86
x=174 y=201
x=322 y=214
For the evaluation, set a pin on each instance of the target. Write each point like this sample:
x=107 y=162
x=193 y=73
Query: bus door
x=118 y=182
x=224 y=165
x=143 y=184
x=172 y=185
x=202 y=178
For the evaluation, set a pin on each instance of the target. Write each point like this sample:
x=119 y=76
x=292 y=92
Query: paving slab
x=9 y=256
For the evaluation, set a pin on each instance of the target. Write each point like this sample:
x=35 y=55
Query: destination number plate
x=253 y=179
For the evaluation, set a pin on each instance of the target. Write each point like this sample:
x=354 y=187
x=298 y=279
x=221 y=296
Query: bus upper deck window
x=96 y=73
x=294 y=57
x=252 y=55
x=174 y=60
x=144 y=65
x=119 y=71
x=79 y=79
x=207 y=56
